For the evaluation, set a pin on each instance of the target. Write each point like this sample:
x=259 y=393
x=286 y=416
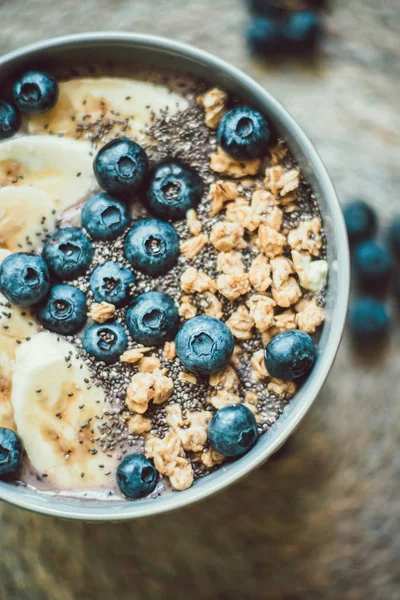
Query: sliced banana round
x=59 y=166
x=27 y=214
x=120 y=104
x=58 y=414
x=7 y=353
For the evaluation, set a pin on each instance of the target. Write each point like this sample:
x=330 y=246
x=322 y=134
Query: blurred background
x=321 y=519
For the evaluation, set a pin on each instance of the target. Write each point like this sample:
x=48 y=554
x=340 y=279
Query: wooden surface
x=321 y=520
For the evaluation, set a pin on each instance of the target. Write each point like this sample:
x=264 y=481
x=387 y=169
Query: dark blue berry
x=174 y=189
x=290 y=355
x=104 y=217
x=204 y=345
x=120 y=167
x=264 y=36
x=152 y=319
x=10 y=120
x=373 y=265
x=10 y=452
x=64 y=310
x=233 y=430
x=36 y=92
x=302 y=31
x=394 y=236
x=106 y=342
x=369 y=320
x=24 y=278
x=68 y=253
x=136 y=476
x=244 y=133
x=361 y=221
x=152 y=247
x=112 y=282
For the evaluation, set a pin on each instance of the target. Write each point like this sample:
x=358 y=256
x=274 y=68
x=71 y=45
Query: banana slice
x=3 y=253
x=59 y=166
x=55 y=420
x=26 y=215
x=7 y=353
x=87 y=101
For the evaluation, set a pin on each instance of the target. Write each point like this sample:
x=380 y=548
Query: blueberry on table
x=64 y=310
x=120 y=167
x=373 y=265
x=68 y=253
x=361 y=221
x=152 y=247
x=106 y=342
x=10 y=120
x=244 y=133
x=233 y=430
x=204 y=345
x=136 y=476
x=174 y=189
x=36 y=92
x=10 y=452
x=112 y=282
x=24 y=278
x=152 y=319
x=264 y=36
x=368 y=320
x=302 y=31
x=290 y=355
x=104 y=217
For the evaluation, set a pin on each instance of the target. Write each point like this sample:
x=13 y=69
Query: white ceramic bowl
x=124 y=48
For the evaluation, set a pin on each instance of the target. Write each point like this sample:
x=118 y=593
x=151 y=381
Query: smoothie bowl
x=174 y=276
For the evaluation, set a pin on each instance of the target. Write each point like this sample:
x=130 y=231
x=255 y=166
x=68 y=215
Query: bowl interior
x=126 y=49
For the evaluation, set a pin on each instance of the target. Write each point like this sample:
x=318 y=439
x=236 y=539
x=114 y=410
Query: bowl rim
x=44 y=504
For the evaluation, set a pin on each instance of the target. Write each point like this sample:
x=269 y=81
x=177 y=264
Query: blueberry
x=174 y=189
x=64 y=310
x=264 y=36
x=104 y=217
x=24 y=278
x=233 y=430
x=136 y=476
x=10 y=452
x=361 y=221
x=10 y=120
x=152 y=319
x=120 y=167
x=152 y=247
x=68 y=253
x=290 y=355
x=369 y=320
x=112 y=282
x=36 y=92
x=302 y=31
x=106 y=342
x=373 y=264
x=394 y=236
x=244 y=133
x=204 y=345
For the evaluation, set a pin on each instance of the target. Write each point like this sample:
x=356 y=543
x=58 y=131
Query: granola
x=101 y=312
